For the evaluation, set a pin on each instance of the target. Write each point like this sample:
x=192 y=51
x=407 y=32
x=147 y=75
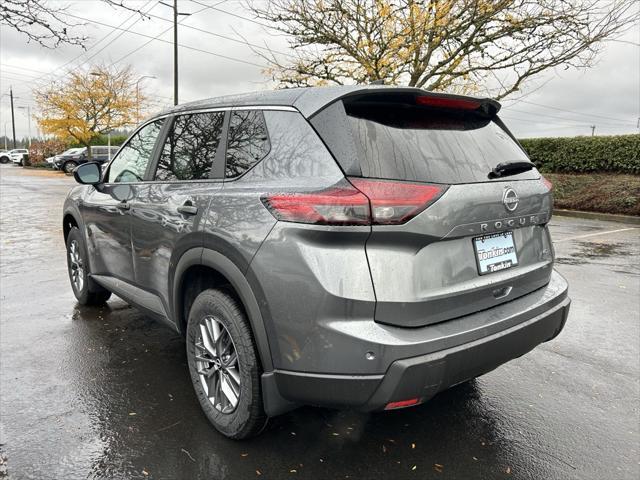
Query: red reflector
x=547 y=183
x=440 y=102
x=339 y=205
x=402 y=404
x=397 y=202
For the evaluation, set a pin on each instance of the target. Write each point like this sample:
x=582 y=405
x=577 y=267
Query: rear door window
x=190 y=149
x=247 y=141
x=403 y=142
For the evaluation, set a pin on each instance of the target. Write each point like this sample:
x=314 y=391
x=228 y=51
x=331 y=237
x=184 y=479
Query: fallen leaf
x=258 y=472
x=414 y=467
x=384 y=449
x=293 y=433
x=413 y=446
x=293 y=471
x=145 y=473
x=335 y=434
x=244 y=454
x=508 y=470
x=438 y=468
x=131 y=414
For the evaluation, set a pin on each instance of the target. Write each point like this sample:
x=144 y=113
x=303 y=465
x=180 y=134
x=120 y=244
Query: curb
x=607 y=217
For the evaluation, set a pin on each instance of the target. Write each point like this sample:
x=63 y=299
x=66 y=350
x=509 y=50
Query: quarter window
x=190 y=148
x=131 y=162
x=247 y=142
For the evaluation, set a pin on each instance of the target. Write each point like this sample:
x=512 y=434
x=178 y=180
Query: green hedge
x=614 y=154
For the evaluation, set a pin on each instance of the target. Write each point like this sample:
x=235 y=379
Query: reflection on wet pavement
x=105 y=393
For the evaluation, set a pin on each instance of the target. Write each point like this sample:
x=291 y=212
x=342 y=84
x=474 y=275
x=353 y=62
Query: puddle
x=588 y=251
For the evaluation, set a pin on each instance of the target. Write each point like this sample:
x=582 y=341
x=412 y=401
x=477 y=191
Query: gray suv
x=352 y=247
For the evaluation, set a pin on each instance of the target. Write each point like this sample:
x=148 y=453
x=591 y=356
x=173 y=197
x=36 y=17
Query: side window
x=247 y=142
x=131 y=163
x=190 y=147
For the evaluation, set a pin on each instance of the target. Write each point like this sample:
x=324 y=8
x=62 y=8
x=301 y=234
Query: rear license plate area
x=495 y=252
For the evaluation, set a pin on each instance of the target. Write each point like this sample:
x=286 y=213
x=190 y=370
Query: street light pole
x=138 y=95
x=28 y=109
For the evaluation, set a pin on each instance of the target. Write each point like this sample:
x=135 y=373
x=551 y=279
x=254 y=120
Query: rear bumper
x=423 y=376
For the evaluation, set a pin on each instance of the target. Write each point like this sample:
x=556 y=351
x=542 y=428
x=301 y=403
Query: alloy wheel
x=217 y=364
x=76 y=266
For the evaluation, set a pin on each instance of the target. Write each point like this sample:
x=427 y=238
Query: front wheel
x=69 y=167
x=85 y=289
x=224 y=365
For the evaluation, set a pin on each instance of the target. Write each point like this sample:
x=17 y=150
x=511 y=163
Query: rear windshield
x=425 y=144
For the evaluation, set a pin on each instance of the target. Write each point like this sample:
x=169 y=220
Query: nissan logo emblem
x=510 y=199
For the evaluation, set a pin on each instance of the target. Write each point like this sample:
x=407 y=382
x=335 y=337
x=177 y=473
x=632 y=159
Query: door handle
x=188 y=208
x=124 y=205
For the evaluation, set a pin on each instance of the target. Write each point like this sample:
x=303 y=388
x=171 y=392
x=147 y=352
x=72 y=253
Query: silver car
x=352 y=247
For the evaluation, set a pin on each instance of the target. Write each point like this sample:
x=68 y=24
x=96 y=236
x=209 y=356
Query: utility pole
x=13 y=121
x=175 y=52
x=593 y=130
x=176 y=13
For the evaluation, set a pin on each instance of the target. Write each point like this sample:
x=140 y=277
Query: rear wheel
x=224 y=364
x=69 y=166
x=86 y=290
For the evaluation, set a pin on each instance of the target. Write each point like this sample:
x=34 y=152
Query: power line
x=570 y=111
x=236 y=15
x=231 y=39
x=160 y=34
x=188 y=47
x=560 y=118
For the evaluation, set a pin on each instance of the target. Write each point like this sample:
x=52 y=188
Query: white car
x=17 y=154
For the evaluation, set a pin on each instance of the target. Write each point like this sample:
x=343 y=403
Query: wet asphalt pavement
x=105 y=393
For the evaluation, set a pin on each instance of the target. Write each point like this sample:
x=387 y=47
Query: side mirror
x=88 y=173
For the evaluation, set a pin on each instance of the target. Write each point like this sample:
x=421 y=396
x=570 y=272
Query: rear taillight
x=361 y=202
x=341 y=204
x=393 y=203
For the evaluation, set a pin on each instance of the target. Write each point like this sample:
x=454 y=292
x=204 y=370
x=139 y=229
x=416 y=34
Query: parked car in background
x=17 y=155
x=4 y=156
x=70 y=159
x=350 y=247
x=68 y=154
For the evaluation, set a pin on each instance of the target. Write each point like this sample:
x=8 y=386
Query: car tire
x=4 y=160
x=217 y=310
x=86 y=291
x=69 y=167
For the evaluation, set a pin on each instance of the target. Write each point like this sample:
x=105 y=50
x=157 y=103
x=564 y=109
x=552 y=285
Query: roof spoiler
x=486 y=107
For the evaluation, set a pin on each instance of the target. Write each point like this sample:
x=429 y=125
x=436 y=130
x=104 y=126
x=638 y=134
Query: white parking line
x=596 y=234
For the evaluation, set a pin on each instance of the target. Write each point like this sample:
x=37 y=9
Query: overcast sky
x=561 y=103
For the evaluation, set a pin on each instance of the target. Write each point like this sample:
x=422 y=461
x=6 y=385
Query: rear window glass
x=247 y=142
x=402 y=142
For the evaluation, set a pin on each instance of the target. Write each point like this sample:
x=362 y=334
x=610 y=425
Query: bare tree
x=462 y=45
x=45 y=21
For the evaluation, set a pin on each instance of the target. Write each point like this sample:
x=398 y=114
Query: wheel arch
x=219 y=270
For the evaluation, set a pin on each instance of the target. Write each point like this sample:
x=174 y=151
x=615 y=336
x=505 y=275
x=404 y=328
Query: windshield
x=430 y=145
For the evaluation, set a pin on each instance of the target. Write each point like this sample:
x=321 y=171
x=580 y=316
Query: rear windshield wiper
x=510 y=168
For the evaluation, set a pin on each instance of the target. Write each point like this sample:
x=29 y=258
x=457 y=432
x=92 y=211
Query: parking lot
x=105 y=393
